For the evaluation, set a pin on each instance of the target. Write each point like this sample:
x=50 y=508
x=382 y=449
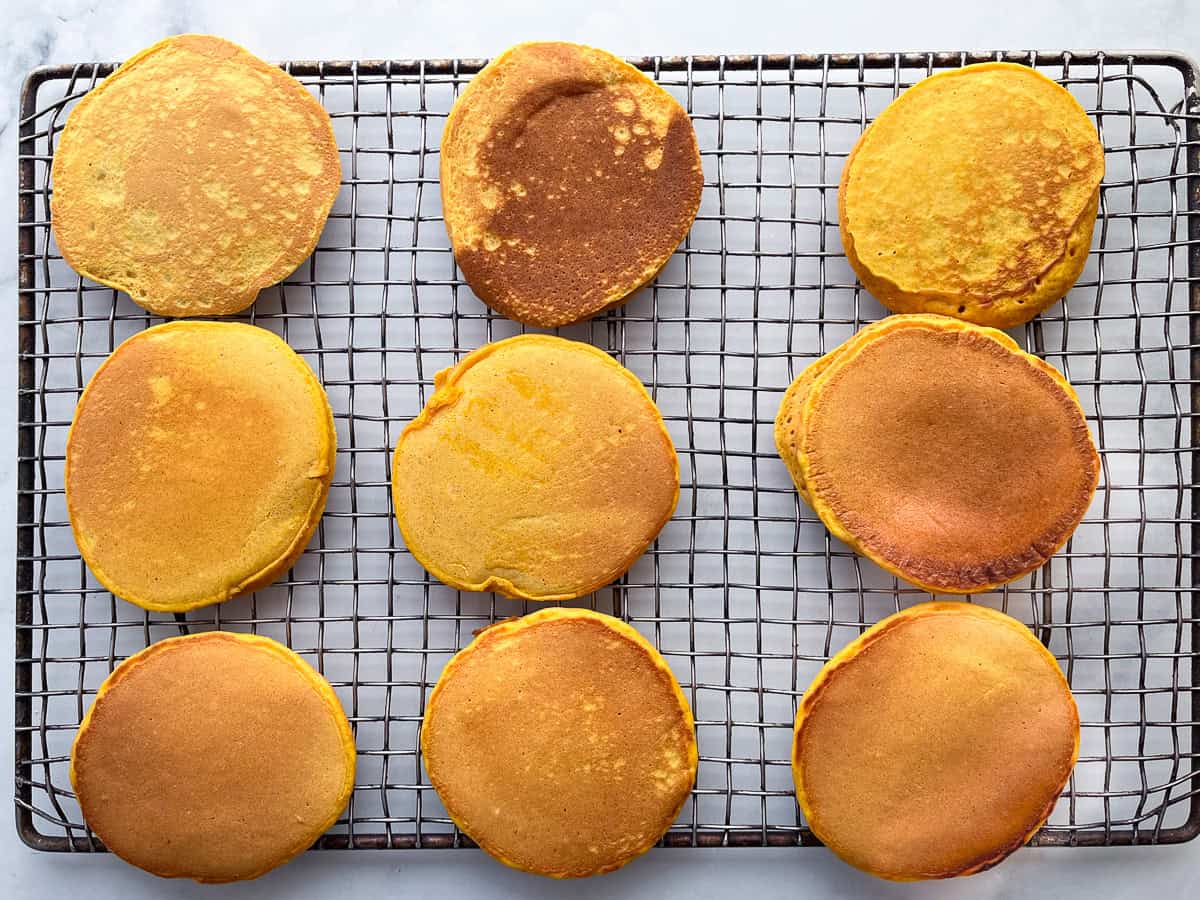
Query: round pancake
x=540 y=468
x=215 y=756
x=946 y=455
x=787 y=421
x=192 y=177
x=568 y=180
x=560 y=743
x=973 y=194
x=198 y=464
x=935 y=744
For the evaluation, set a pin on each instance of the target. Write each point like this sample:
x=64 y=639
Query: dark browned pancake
x=568 y=180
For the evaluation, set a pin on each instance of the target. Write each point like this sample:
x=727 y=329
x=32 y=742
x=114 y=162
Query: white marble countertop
x=62 y=31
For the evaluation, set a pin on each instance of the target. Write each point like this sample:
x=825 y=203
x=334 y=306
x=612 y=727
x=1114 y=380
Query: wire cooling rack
x=745 y=592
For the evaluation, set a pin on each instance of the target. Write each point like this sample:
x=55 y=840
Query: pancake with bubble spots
x=193 y=177
x=568 y=178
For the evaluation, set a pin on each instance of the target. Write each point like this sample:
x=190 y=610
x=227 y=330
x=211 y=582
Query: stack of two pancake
x=940 y=450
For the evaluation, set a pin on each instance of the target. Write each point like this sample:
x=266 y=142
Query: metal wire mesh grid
x=745 y=592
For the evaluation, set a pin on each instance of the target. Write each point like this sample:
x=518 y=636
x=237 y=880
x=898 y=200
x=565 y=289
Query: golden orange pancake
x=568 y=180
x=935 y=744
x=941 y=451
x=539 y=468
x=560 y=743
x=198 y=464
x=193 y=177
x=215 y=756
x=973 y=194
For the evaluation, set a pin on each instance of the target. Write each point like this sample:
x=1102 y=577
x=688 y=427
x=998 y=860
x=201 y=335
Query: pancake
x=973 y=194
x=214 y=756
x=568 y=180
x=193 y=177
x=942 y=452
x=560 y=743
x=540 y=468
x=198 y=464
x=935 y=744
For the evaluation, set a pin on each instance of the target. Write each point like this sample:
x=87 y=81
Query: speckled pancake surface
x=193 y=177
x=198 y=464
x=973 y=194
x=539 y=468
x=935 y=744
x=214 y=756
x=943 y=453
x=560 y=742
x=568 y=180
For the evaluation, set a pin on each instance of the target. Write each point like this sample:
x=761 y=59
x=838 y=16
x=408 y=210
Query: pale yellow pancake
x=935 y=744
x=941 y=451
x=198 y=464
x=560 y=743
x=215 y=756
x=568 y=180
x=974 y=195
x=193 y=177
x=539 y=468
